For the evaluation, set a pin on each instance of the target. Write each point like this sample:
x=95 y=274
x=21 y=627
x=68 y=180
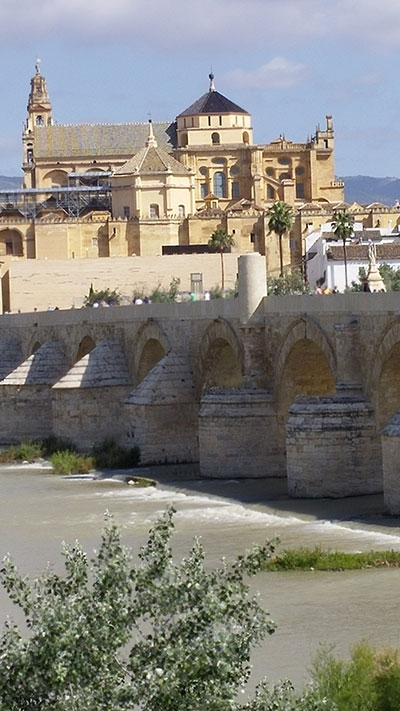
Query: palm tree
x=220 y=241
x=343 y=228
x=280 y=221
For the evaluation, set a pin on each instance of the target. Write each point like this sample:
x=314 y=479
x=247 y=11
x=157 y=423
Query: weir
x=296 y=386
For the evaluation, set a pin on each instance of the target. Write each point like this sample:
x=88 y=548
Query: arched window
x=181 y=210
x=245 y=137
x=154 y=211
x=215 y=138
x=270 y=193
x=39 y=121
x=184 y=139
x=219 y=184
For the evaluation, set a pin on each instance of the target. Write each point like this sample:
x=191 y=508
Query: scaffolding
x=73 y=200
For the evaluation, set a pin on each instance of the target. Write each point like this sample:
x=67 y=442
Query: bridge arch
x=383 y=383
x=150 y=345
x=86 y=345
x=220 y=358
x=306 y=366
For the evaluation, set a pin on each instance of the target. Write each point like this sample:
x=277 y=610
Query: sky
x=286 y=62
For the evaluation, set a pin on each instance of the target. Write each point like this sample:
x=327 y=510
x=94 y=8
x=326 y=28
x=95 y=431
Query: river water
x=39 y=511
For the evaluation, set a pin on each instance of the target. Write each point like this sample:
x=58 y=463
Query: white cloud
x=178 y=24
x=277 y=73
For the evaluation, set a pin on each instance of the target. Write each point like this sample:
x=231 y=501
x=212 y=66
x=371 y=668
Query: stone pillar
x=252 y=283
x=237 y=435
x=348 y=381
x=391 y=464
x=332 y=448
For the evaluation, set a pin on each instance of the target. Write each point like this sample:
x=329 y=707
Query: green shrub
x=110 y=455
x=318 y=559
x=56 y=444
x=28 y=451
x=67 y=462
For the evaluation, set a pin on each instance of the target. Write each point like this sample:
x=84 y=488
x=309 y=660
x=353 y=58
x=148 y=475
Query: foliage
x=110 y=455
x=283 y=697
x=67 y=462
x=318 y=559
x=27 y=451
x=370 y=681
x=288 y=283
x=160 y=295
x=280 y=220
x=343 y=228
x=108 y=296
x=156 y=635
x=56 y=444
x=221 y=241
x=390 y=276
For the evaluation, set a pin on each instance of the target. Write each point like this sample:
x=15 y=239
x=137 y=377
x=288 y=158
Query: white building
x=325 y=258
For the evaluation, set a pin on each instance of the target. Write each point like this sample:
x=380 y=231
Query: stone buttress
x=161 y=413
x=87 y=401
x=25 y=394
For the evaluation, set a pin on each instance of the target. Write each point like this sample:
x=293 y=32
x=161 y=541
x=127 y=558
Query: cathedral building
x=100 y=190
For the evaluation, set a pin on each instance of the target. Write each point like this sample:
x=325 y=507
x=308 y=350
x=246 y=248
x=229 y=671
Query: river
x=39 y=511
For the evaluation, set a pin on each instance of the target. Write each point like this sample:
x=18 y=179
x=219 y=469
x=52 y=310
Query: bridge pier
x=332 y=448
x=391 y=464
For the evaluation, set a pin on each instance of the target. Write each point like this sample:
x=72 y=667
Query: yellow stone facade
x=161 y=185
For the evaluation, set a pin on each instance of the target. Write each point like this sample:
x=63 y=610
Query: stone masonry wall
x=25 y=413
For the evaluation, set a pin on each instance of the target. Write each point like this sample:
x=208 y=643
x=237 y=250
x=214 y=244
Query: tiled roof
x=100 y=139
x=360 y=252
x=152 y=160
x=212 y=103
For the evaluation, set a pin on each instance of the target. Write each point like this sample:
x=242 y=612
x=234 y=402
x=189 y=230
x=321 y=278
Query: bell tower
x=39 y=115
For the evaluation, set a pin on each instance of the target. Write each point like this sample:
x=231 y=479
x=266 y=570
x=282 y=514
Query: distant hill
x=357 y=188
x=10 y=183
x=364 y=189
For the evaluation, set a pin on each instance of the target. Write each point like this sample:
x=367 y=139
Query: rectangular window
x=127 y=211
x=300 y=190
x=196 y=283
x=220 y=120
x=203 y=190
x=252 y=237
x=209 y=120
x=95 y=242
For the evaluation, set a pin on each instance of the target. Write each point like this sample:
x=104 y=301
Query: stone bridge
x=305 y=387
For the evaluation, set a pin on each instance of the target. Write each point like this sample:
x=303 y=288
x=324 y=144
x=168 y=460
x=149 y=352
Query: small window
x=203 y=171
x=285 y=176
x=218 y=161
x=220 y=120
x=284 y=161
x=184 y=139
x=299 y=170
x=235 y=189
x=270 y=193
x=245 y=137
x=292 y=242
x=252 y=237
x=270 y=171
x=215 y=138
x=196 y=283
x=95 y=242
x=181 y=210
x=39 y=121
x=326 y=144
x=209 y=120
x=300 y=190
x=127 y=211
x=203 y=190
x=29 y=155
x=154 y=211
x=234 y=170
x=184 y=123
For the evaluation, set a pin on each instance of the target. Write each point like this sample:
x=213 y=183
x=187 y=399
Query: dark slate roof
x=213 y=103
x=360 y=252
x=95 y=140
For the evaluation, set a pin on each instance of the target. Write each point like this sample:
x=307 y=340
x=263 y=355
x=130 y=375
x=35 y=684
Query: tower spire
x=151 y=141
x=211 y=78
